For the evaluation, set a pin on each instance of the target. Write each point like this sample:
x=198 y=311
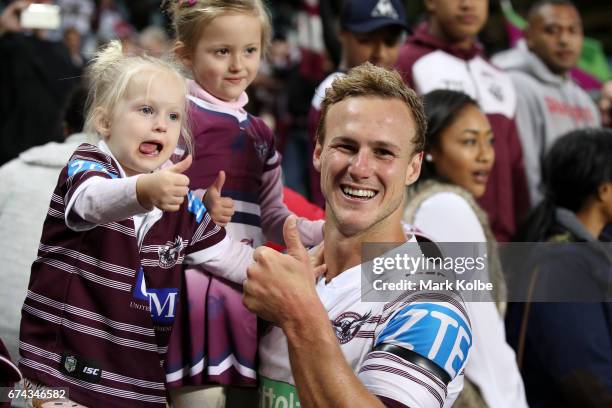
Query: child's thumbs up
x=181 y=166
x=220 y=208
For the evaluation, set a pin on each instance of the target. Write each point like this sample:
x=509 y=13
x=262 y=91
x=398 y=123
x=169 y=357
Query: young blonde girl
x=221 y=43
x=104 y=290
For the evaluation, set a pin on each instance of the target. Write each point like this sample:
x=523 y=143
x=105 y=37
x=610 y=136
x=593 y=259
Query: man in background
x=550 y=103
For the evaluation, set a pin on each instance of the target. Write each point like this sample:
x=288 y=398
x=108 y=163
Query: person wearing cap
x=444 y=53
x=370 y=31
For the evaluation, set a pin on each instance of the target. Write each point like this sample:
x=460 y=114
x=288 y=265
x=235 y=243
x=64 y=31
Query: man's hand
x=165 y=189
x=221 y=209
x=280 y=288
x=9 y=19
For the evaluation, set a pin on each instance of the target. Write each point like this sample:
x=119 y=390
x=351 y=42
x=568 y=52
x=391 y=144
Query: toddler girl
x=104 y=288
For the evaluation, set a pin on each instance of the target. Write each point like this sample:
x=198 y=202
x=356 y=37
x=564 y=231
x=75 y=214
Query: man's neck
x=343 y=252
x=437 y=31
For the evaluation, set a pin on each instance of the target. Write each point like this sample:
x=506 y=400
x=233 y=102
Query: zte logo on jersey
x=433 y=331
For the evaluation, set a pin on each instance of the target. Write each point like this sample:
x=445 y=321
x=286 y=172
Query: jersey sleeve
x=212 y=248
x=419 y=352
x=87 y=162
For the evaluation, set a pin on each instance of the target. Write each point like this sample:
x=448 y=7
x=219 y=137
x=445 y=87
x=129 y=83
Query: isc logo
x=91 y=370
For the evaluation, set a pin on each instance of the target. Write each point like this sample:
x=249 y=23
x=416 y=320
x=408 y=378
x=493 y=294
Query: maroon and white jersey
x=101 y=301
x=410 y=352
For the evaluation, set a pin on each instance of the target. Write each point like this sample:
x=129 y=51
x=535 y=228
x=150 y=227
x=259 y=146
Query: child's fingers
x=227 y=202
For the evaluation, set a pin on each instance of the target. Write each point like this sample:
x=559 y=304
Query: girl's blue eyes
x=147 y=110
x=225 y=51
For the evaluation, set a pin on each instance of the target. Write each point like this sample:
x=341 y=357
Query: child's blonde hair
x=190 y=17
x=109 y=75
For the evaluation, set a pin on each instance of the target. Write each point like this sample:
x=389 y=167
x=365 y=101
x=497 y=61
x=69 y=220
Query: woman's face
x=465 y=155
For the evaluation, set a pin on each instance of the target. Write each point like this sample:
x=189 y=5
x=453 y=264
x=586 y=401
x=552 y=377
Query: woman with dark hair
x=459 y=156
x=563 y=332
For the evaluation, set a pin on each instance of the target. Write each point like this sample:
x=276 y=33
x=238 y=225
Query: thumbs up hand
x=221 y=209
x=165 y=189
x=279 y=287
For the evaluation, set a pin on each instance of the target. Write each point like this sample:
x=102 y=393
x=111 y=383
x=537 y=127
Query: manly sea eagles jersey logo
x=170 y=254
x=348 y=324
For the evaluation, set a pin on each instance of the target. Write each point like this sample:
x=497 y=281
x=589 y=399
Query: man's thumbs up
x=294 y=245
x=221 y=209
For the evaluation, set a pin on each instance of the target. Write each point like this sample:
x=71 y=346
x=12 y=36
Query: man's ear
x=316 y=155
x=414 y=168
x=102 y=122
x=183 y=53
x=604 y=191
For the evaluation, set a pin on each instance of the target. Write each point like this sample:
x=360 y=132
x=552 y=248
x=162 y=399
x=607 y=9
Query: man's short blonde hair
x=370 y=80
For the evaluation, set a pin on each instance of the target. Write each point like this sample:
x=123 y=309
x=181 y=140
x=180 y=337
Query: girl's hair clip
x=187 y=3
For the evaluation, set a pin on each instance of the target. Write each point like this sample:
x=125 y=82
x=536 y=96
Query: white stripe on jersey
x=91 y=331
x=119 y=228
x=91 y=315
x=105 y=374
x=88 y=259
x=155 y=248
x=57 y=199
x=126 y=287
x=90 y=386
x=55 y=213
x=229 y=361
x=246 y=207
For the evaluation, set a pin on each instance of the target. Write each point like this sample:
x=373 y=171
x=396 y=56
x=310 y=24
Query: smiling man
x=327 y=346
x=550 y=104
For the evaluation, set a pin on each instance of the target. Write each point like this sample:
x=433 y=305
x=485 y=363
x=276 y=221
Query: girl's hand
x=165 y=189
x=220 y=208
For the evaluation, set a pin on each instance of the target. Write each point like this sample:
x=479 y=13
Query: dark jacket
x=566 y=350
x=36 y=77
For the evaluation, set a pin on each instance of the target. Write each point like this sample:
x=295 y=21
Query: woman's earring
x=428 y=157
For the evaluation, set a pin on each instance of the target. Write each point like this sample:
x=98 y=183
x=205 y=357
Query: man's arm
x=280 y=288
x=322 y=375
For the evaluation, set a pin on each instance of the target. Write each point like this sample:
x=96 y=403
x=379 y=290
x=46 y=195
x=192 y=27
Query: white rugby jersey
x=412 y=351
